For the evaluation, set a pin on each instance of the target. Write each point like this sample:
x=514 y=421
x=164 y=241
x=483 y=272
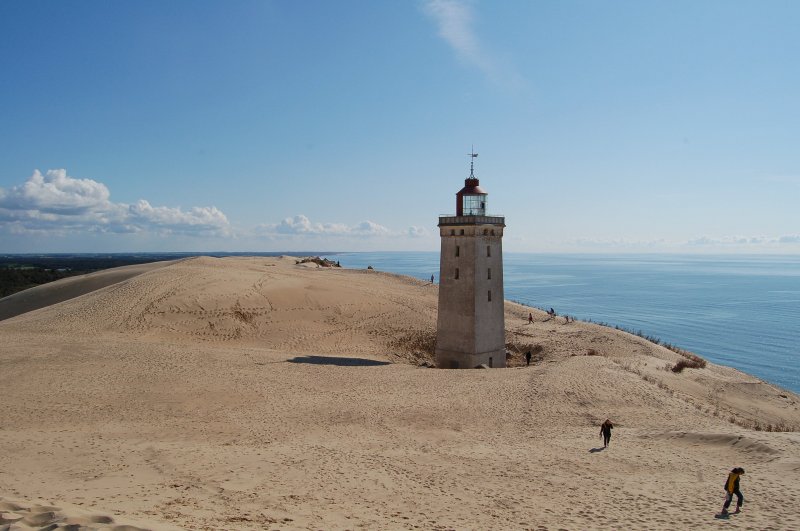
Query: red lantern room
x=471 y=200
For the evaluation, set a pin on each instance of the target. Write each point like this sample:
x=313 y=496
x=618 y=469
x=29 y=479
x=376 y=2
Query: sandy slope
x=69 y=288
x=245 y=393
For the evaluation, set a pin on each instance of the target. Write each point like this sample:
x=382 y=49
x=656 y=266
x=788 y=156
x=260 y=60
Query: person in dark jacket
x=731 y=488
x=605 y=432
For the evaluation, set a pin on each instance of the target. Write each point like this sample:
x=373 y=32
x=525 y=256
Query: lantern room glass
x=474 y=205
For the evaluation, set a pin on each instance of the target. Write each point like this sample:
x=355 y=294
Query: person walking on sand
x=431 y=279
x=731 y=488
x=530 y=318
x=605 y=432
x=528 y=358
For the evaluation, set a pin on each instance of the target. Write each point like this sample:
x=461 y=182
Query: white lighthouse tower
x=470 y=328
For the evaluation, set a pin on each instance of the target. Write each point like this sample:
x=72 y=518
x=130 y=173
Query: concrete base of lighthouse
x=448 y=359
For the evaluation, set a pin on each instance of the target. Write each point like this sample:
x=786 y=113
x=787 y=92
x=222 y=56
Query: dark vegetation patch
x=13 y=280
x=689 y=363
x=322 y=262
x=416 y=346
x=515 y=353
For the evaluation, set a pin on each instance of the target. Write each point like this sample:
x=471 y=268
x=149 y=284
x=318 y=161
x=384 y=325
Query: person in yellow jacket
x=731 y=488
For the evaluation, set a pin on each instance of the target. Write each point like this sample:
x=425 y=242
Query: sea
x=742 y=311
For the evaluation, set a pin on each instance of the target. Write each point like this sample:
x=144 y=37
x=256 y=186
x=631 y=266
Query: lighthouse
x=470 y=329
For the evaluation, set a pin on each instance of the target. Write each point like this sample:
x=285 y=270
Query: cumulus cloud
x=56 y=203
x=417 y=232
x=176 y=218
x=369 y=228
x=55 y=192
x=301 y=225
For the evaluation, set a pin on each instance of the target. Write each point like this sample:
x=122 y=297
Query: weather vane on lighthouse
x=472 y=155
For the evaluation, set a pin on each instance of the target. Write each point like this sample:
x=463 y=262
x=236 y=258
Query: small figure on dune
x=528 y=358
x=530 y=318
x=431 y=279
x=731 y=488
x=551 y=313
x=566 y=319
x=605 y=432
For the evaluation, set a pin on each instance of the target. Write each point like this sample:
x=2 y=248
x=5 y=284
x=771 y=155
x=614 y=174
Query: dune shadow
x=595 y=450
x=341 y=362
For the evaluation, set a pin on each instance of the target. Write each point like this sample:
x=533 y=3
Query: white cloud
x=55 y=192
x=301 y=225
x=177 y=219
x=369 y=228
x=418 y=232
x=454 y=20
x=57 y=204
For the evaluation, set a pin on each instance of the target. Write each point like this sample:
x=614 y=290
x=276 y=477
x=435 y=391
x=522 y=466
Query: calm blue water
x=741 y=311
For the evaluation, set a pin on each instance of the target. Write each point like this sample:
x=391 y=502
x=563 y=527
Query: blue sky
x=627 y=126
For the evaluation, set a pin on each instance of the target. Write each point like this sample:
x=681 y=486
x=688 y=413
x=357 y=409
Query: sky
x=625 y=126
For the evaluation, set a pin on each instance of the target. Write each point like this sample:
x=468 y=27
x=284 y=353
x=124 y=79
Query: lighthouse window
x=474 y=205
x=462 y=232
x=458 y=250
x=452 y=232
x=456 y=273
x=490 y=295
x=485 y=232
x=488 y=251
x=489 y=276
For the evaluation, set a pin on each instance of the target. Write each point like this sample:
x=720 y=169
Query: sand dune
x=245 y=393
x=69 y=288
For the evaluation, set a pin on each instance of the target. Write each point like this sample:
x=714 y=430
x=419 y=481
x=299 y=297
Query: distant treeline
x=22 y=271
x=14 y=280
